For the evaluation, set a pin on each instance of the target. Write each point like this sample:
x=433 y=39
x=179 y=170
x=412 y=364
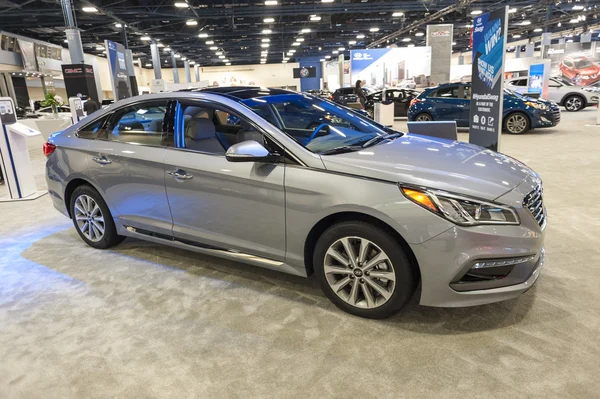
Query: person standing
x=360 y=93
x=90 y=106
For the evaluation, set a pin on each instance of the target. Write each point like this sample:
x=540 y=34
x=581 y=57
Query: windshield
x=584 y=63
x=318 y=125
x=512 y=93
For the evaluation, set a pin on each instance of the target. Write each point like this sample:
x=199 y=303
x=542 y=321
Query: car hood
x=590 y=70
x=436 y=163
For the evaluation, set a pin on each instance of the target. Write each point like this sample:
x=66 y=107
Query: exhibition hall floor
x=142 y=320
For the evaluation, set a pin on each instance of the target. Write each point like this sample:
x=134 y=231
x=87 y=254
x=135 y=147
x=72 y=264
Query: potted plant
x=52 y=100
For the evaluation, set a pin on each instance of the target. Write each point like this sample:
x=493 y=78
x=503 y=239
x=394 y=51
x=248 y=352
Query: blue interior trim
x=179 y=140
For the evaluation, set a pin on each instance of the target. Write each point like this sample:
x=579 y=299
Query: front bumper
x=547 y=118
x=445 y=259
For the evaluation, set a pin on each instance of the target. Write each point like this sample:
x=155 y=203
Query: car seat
x=200 y=136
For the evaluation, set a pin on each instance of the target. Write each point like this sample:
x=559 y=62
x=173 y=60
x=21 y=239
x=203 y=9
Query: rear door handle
x=102 y=160
x=180 y=174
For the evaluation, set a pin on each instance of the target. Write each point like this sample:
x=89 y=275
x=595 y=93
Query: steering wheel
x=314 y=133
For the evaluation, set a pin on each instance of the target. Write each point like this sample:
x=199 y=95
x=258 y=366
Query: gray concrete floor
x=145 y=321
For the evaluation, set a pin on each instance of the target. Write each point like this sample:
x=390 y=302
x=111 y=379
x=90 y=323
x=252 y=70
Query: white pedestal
x=384 y=114
x=15 y=160
x=47 y=126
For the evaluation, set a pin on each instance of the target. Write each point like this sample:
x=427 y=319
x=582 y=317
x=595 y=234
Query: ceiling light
x=335 y=52
x=284 y=62
x=327 y=57
x=292 y=51
x=559 y=24
x=361 y=36
x=315 y=18
x=374 y=30
x=263 y=62
x=512 y=10
x=177 y=55
x=577 y=8
x=351 y=42
x=476 y=12
x=118 y=25
x=191 y=22
x=327 y=1
x=192 y=62
x=266 y=40
x=203 y=35
x=184 y=59
x=228 y=63
x=160 y=45
x=210 y=42
x=145 y=38
x=322 y=60
x=89 y=9
x=295 y=44
x=525 y=23
x=516 y=36
x=300 y=39
x=213 y=48
x=411 y=45
x=264 y=52
x=454 y=43
x=66 y=41
x=538 y=30
x=225 y=60
x=419 y=34
x=219 y=53
x=271 y=2
x=267 y=31
x=574 y=21
x=167 y=49
x=398 y=14
x=148 y=64
x=570 y=41
x=305 y=30
x=181 y=4
x=406 y=39
x=286 y=58
x=222 y=57
x=341 y=49
x=264 y=45
x=99 y=47
x=268 y=20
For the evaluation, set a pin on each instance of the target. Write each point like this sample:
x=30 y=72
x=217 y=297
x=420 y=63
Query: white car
x=46 y=113
x=573 y=98
x=408 y=84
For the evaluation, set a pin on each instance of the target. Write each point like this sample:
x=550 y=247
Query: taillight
x=413 y=101
x=48 y=149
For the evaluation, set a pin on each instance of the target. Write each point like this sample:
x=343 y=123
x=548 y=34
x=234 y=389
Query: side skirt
x=214 y=251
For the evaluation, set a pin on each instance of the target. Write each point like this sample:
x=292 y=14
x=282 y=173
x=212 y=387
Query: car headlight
x=541 y=106
x=461 y=210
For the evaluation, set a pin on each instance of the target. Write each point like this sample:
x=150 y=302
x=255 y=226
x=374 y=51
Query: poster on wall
x=405 y=67
x=577 y=63
x=305 y=72
x=28 y=55
x=536 y=79
x=487 y=96
x=118 y=67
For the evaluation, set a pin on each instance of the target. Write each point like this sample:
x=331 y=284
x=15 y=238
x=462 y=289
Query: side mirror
x=249 y=151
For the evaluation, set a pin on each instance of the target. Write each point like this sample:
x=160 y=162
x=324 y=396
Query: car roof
x=245 y=92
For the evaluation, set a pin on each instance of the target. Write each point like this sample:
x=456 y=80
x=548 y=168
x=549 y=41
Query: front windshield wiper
x=379 y=139
x=341 y=149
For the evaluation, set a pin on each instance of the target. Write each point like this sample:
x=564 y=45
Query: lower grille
x=534 y=202
x=556 y=114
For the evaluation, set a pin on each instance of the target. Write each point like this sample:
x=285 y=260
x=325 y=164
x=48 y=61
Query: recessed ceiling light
x=512 y=10
x=271 y=2
x=285 y=62
x=327 y=57
x=335 y=52
x=177 y=56
x=315 y=18
x=267 y=31
x=538 y=30
x=219 y=53
x=222 y=57
x=228 y=63
x=263 y=62
x=286 y=58
x=203 y=35
x=89 y=9
x=191 y=22
x=118 y=25
x=419 y=34
x=145 y=38
x=398 y=14
x=184 y=59
x=361 y=36
x=476 y=12
x=167 y=49
x=268 y=20
x=295 y=44
x=374 y=30
x=264 y=45
x=292 y=51
x=406 y=39
x=210 y=42
x=322 y=59
x=305 y=30
x=341 y=49
x=213 y=48
x=181 y=4
x=300 y=39
x=266 y=40
x=225 y=60
x=148 y=64
x=192 y=62
x=351 y=42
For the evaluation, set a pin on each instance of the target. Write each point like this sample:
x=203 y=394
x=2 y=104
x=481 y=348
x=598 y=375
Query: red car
x=580 y=70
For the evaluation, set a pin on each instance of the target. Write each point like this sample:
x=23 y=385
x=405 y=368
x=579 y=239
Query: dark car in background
x=452 y=102
x=326 y=94
x=344 y=95
x=400 y=97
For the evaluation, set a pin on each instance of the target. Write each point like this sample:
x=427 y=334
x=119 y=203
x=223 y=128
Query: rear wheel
x=363 y=270
x=92 y=218
x=574 y=103
x=423 y=117
x=516 y=123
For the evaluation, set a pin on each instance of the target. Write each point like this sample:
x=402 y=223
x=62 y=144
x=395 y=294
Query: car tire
x=92 y=218
x=516 y=123
x=423 y=117
x=574 y=103
x=353 y=287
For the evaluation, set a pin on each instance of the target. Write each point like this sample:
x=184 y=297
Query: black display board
x=305 y=72
x=21 y=93
x=79 y=79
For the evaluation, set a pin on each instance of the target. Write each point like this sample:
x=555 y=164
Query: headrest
x=201 y=129
x=195 y=112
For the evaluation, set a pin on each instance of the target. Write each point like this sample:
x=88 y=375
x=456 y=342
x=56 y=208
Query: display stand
x=76 y=106
x=14 y=154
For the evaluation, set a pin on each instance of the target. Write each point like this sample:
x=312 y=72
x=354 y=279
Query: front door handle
x=180 y=174
x=102 y=160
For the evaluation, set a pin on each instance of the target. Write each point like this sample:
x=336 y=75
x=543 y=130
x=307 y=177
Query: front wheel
x=363 y=270
x=574 y=103
x=92 y=218
x=423 y=118
x=516 y=123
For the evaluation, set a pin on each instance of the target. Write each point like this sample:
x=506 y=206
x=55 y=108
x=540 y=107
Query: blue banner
x=536 y=78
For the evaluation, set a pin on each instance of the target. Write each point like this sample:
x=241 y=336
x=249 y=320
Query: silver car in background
x=298 y=184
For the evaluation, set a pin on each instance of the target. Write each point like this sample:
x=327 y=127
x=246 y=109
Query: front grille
x=534 y=202
x=556 y=114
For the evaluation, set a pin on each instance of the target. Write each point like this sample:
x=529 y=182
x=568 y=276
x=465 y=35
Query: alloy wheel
x=516 y=123
x=423 y=118
x=573 y=104
x=359 y=272
x=89 y=218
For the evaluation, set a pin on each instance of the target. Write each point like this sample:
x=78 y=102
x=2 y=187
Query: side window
x=568 y=63
x=521 y=82
x=92 y=131
x=140 y=123
x=447 y=92
x=212 y=130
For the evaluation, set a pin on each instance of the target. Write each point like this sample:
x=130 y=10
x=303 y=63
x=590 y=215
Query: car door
x=237 y=206
x=126 y=164
x=448 y=105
